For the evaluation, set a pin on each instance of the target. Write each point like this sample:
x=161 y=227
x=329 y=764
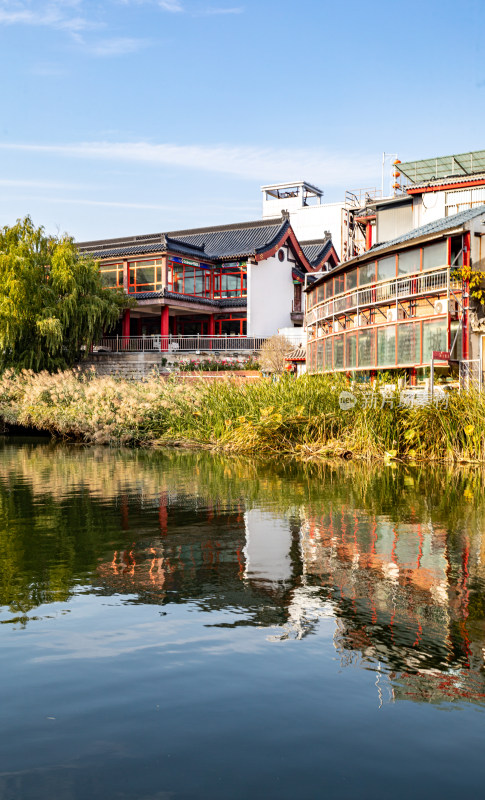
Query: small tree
x=273 y=354
x=52 y=302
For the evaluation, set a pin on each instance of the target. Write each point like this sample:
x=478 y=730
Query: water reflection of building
x=398 y=593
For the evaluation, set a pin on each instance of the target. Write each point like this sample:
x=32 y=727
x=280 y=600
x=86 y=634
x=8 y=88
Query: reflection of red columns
x=164 y=327
x=163 y=514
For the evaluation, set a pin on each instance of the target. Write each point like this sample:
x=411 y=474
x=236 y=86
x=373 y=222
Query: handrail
x=397 y=289
x=185 y=344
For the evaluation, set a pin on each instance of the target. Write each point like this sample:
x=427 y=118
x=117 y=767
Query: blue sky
x=135 y=116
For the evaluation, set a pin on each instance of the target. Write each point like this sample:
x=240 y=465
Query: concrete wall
x=270 y=295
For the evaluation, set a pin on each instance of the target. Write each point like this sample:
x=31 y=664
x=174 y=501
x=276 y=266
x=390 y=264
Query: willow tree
x=52 y=302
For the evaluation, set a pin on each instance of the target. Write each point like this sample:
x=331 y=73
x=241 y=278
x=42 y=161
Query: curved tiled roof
x=316 y=251
x=234 y=242
x=220 y=242
x=229 y=302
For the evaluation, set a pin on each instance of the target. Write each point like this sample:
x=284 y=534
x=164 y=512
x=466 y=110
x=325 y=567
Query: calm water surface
x=187 y=626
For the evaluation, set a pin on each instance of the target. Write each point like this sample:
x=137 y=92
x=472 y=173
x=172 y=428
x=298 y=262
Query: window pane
x=366 y=349
x=409 y=261
x=386 y=268
x=328 y=354
x=339 y=284
x=351 y=279
x=109 y=279
x=434 y=338
x=367 y=273
x=386 y=346
x=321 y=293
x=351 y=350
x=434 y=255
x=145 y=275
x=189 y=280
x=338 y=352
x=456 y=348
x=320 y=347
x=328 y=289
x=408 y=343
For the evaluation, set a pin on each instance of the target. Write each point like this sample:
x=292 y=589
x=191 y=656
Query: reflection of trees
x=395 y=554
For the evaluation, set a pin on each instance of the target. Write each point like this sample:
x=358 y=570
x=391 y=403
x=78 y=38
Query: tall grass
x=299 y=417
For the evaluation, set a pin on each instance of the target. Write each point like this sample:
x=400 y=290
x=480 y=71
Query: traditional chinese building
x=235 y=280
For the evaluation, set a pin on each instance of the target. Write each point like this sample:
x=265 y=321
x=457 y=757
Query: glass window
x=456 y=349
x=320 y=355
x=338 y=352
x=434 y=255
x=328 y=288
x=409 y=343
x=409 y=261
x=339 y=284
x=434 y=338
x=386 y=268
x=366 y=348
x=351 y=282
x=321 y=293
x=351 y=350
x=386 y=346
x=367 y=273
x=112 y=275
x=328 y=354
x=142 y=276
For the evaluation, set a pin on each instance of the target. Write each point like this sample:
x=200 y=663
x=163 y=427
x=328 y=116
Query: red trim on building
x=289 y=237
x=442 y=187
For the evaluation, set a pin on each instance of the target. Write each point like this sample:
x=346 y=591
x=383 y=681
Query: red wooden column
x=164 y=327
x=125 y=324
x=212 y=325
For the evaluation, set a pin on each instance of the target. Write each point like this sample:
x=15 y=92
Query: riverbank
x=307 y=418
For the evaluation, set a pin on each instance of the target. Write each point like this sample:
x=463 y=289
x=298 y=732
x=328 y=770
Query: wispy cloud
x=213 y=11
x=116 y=46
x=171 y=5
x=253 y=163
x=52 y=14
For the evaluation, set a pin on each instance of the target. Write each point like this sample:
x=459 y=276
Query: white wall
x=270 y=295
x=428 y=208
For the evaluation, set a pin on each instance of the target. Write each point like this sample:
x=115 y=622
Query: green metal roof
x=444 y=167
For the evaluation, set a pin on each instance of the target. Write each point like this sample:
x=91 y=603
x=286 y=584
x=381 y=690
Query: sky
x=126 y=117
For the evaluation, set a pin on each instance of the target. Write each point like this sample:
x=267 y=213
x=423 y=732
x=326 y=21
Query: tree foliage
x=273 y=354
x=52 y=302
x=476 y=281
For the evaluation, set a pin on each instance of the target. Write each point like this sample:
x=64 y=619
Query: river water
x=180 y=625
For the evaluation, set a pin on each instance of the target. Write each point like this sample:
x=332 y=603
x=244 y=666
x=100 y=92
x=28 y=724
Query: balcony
x=394 y=291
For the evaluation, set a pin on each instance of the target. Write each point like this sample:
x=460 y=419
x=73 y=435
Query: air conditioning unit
x=336 y=326
x=444 y=307
x=393 y=314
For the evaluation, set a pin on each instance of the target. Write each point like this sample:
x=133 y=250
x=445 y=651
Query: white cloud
x=212 y=11
x=117 y=46
x=253 y=163
x=53 y=14
x=171 y=5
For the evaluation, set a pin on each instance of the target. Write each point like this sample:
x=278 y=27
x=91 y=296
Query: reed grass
x=298 y=417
